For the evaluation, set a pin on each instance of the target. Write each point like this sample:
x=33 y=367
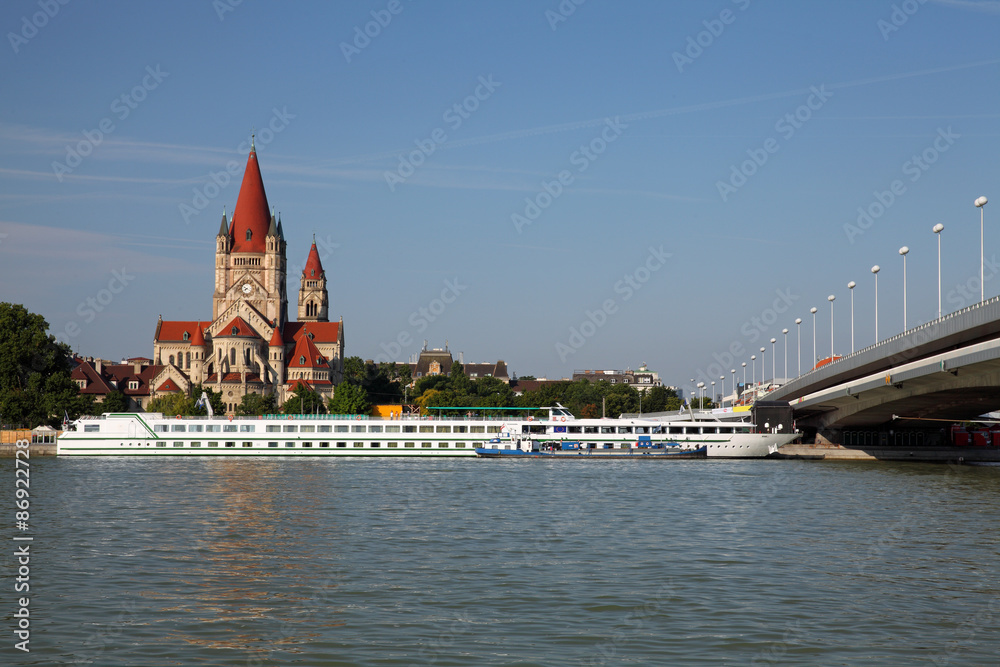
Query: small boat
x=581 y=451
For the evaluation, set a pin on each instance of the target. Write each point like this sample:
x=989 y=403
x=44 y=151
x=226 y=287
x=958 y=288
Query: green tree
x=172 y=404
x=304 y=401
x=35 y=384
x=256 y=404
x=622 y=398
x=349 y=399
x=115 y=401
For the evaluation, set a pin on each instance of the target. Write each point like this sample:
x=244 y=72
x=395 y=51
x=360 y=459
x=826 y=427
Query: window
x=249 y=234
x=273 y=428
x=290 y=429
x=213 y=444
x=426 y=429
x=442 y=445
x=307 y=429
x=392 y=444
x=159 y=428
x=133 y=384
x=375 y=444
x=91 y=428
x=573 y=429
x=461 y=429
x=624 y=445
x=692 y=430
x=229 y=428
x=392 y=429
x=323 y=428
x=607 y=429
x=289 y=444
x=230 y=444
x=492 y=429
x=642 y=429
x=161 y=444
x=272 y=444
x=477 y=429
x=171 y=360
x=178 y=428
x=324 y=444
x=212 y=428
x=444 y=429
x=674 y=430
x=460 y=445
x=340 y=428
x=624 y=429
x=247 y=444
x=247 y=428
x=178 y=444
x=590 y=429
x=359 y=444
x=342 y=444
x=307 y=444
x=357 y=429
x=409 y=445
x=302 y=360
x=374 y=429
x=195 y=428
x=409 y=428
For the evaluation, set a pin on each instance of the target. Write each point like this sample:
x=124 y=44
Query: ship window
x=374 y=429
x=442 y=445
x=247 y=428
x=307 y=429
x=460 y=429
x=291 y=429
x=425 y=445
x=289 y=444
x=212 y=428
x=444 y=429
x=573 y=429
x=340 y=428
x=342 y=444
x=392 y=429
x=274 y=428
x=426 y=429
x=676 y=429
x=409 y=428
x=213 y=444
x=178 y=444
x=324 y=444
x=624 y=445
x=392 y=444
x=492 y=429
x=607 y=429
x=229 y=428
x=272 y=444
x=624 y=429
x=247 y=444
x=477 y=429
x=642 y=429
x=376 y=444
x=324 y=428
x=161 y=444
x=178 y=428
x=195 y=428
x=230 y=444
x=460 y=445
x=159 y=428
x=692 y=430
x=357 y=429
x=307 y=444
x=709 y=429
x=725 y=429
x=590 y=429
x=359 y=444
x=409 y=445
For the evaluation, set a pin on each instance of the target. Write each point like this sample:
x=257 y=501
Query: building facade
x=249 y=345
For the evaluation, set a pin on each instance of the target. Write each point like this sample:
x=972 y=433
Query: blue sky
x=697 y=168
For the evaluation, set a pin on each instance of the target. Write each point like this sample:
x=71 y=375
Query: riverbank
x=922 y=454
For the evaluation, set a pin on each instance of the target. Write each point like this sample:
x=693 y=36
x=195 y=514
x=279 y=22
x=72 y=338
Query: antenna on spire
x=314 y=238
x=253 y=134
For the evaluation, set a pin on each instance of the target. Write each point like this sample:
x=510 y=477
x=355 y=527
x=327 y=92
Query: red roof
x=198 y=338
x=252 y=213
x=306 y=355
x=119 y=374
x=322 y=332
x=276 y=339
x=309 y=384
x=175 y=330
x=238 y=327
x=168 y=385
x=314 y=269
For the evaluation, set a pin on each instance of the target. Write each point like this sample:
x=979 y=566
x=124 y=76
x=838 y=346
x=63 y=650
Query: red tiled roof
x=309 y=384
x=306 y=355
x=168 y=385
x=276 y=339
x=95 y=383
x=314 y=269
x=197 y=338
x=251 y=212
x=323 y=332
x=238 y=327
x=173 y=331
x=252 y=378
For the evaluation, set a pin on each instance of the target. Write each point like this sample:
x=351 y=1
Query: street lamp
x=851 y=286
x=762 y=366
x=875 y=271
x=773 y=373
x=722 y=383
x=744 y=376
x=711 y=398
x=785 y=332
x=813 y=311
x=937 y=230
x=830 y=299
x=753 y=371
x=701 y=401
x=735 y=393
x=903 y=251
x=798 y=330
x=980 y=203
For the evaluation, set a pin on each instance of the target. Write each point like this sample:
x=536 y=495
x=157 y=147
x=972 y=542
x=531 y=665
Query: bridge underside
x=954 y=396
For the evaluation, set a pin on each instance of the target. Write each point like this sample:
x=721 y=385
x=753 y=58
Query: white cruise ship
x=154 y=434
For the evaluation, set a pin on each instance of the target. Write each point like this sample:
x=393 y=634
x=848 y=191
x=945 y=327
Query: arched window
x=235 y=330
x=249 y=235
x=187 y=336
x=232 y=356
x=302 y=359
x=171 y=360
x=312 y=272
x=188 y=360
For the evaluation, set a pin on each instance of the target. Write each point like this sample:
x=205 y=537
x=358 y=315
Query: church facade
x=249 y=345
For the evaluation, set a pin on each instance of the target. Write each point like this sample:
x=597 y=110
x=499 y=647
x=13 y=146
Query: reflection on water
x=318 y=561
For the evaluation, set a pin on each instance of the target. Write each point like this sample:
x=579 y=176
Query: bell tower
x=314 y=301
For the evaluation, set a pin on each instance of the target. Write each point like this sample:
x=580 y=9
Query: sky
x=561 y=185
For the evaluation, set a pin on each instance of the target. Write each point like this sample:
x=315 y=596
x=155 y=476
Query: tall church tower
x=314 y=302
x=250 y=253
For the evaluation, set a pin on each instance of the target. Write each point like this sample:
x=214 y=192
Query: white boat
x=154 y=434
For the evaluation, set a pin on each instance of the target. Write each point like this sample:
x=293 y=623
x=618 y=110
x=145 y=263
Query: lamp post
x=762 y=366
x=753 y=370
x=711 y=397
x=785 y=332
x=798 y=330
x=744 y=376
x=722 y=383
x=830 y=299
x=903 y=251
x=773 y=372
x=980 y=203
x=813 y=311
x=937 y=231
x=875 y=271
x=735 y=393
x=851 y=286
x=701 y=401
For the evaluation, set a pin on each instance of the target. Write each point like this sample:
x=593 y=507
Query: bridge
x=947 y=369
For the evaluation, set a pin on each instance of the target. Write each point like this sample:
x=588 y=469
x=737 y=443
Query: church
x=249 y=345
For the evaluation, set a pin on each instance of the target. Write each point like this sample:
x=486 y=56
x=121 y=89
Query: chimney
x=99 y=366
x=137 y=367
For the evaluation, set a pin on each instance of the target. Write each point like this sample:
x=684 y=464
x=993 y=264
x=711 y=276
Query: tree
x=35 y=384
x=349 y=399
x=253 y=405
x=172 y=404
x=214 y=398
x=115 y=401
x=622 y=398
x=303 y=401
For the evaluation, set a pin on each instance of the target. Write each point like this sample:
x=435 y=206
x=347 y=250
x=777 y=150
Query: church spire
x=224 y=227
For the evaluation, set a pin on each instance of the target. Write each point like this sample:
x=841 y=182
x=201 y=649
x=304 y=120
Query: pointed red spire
x=197 y=338
x=314 y=269
x=276 y=340
x=251 y=214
